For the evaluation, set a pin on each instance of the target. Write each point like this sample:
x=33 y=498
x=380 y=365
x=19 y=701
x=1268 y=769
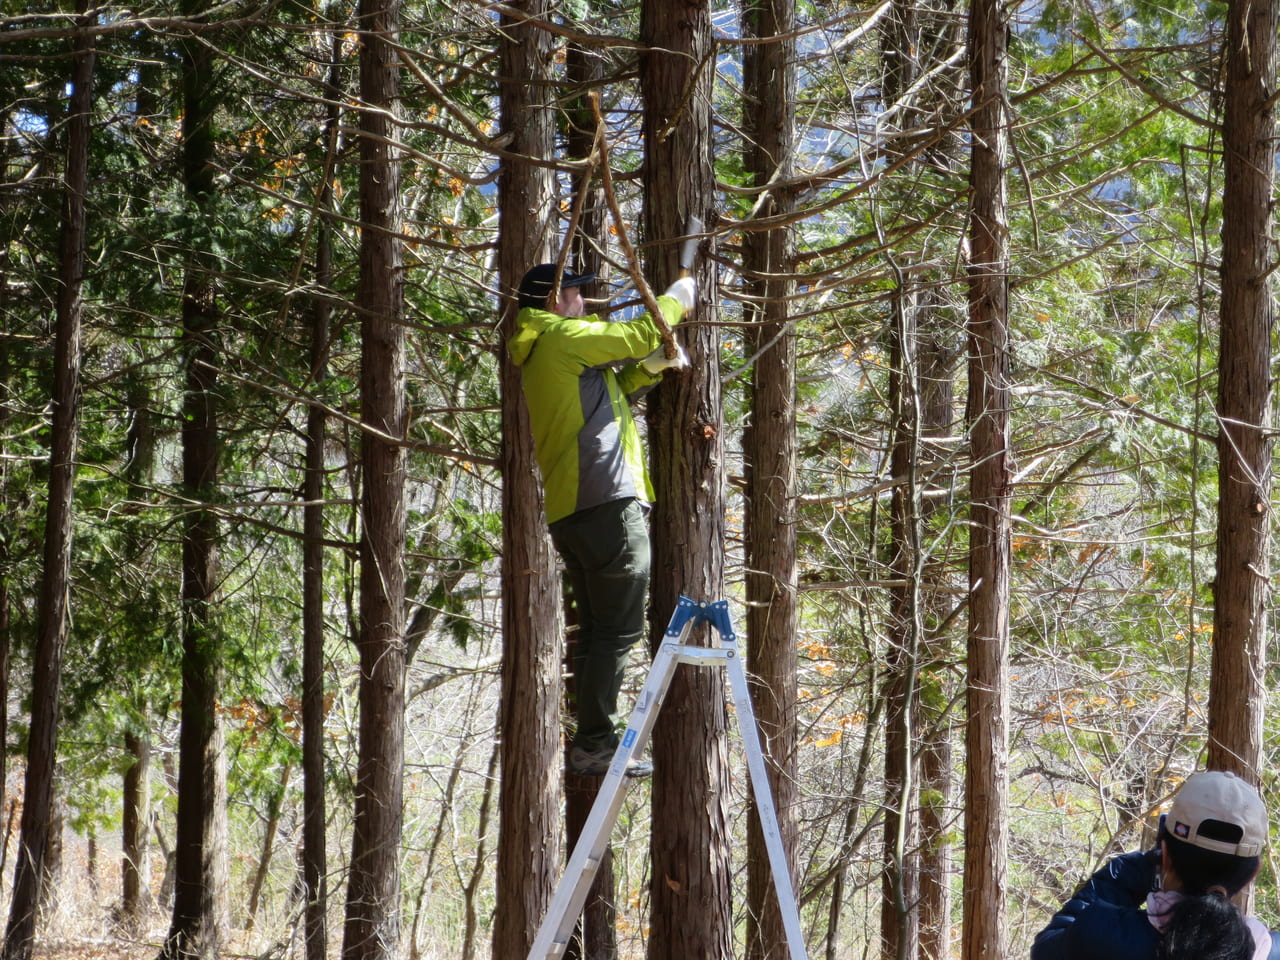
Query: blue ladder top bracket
x=693 y=613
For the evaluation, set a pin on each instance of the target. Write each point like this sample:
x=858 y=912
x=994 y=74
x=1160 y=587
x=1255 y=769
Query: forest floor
x=94 y=950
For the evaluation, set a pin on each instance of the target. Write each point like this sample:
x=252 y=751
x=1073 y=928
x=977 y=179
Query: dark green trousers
x=606 y=552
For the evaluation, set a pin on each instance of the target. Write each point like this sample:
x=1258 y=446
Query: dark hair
x=1206 y=927
x=1199 y=869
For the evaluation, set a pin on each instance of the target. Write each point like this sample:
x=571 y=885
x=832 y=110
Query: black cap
x=536 y=285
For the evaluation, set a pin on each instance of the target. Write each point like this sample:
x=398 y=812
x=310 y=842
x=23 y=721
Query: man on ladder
x=579 y=374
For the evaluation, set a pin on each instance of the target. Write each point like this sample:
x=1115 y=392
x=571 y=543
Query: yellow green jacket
x=579 y=375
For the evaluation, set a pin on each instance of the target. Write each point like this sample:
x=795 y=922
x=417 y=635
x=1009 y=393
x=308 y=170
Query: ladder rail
x=766 y=810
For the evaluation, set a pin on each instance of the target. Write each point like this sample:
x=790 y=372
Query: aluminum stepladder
x=571 y=892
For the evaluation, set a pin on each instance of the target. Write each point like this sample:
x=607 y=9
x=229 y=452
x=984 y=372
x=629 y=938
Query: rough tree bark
x=1237 y=691
x=6 y=371
x=529 y=803
x=135 y=832
x=52 y=613
x=371 y=929
x=199 y=921
x=691 y=908
x=899 y=918
x=986 y=734
x=915 y=916
x=314 y=842
x=769 y=449
x=936 y=362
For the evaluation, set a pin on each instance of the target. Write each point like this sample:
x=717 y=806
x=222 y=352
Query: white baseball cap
x=1217 y=795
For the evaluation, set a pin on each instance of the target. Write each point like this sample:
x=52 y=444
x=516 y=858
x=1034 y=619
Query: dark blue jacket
x=1105 y=919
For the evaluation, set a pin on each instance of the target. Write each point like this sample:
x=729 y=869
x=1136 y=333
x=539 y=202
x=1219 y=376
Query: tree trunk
x=596 y=937
x=936 y=792
x=584 y=69
x=199 y=921
x=915 y=919
x=136 y=899
x=899 y=919
x=1237 y=695
x=6 y=491
x=372 y=925
x=986 y=734
x=314 y=840
x=135 y=832
x=529 y=847
x=91 y=859
x=690 y=885
x=916 y=906
x=270 y=830
x=54 y=855
x=471 y=891
x=769 y=451
x=55 y=585
x=6 y=644
x=851 y=836
x=936 y=390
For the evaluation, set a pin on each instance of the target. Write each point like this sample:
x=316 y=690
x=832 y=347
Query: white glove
x=658 y=361
x=683 y=290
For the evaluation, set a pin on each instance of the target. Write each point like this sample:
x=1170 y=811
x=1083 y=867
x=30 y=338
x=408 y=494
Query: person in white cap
x=1174 y=902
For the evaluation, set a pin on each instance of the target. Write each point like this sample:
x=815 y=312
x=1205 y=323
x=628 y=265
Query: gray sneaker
x=595 y=763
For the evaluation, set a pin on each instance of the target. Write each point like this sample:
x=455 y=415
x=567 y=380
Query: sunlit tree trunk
x=372 y=924
x=689 y=889
x=987 y=730
x=1237 y=688
x=529 y=804
x=55 y=582
x=769 y=448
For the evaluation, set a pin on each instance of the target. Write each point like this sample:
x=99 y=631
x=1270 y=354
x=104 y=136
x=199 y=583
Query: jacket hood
x=529 y=326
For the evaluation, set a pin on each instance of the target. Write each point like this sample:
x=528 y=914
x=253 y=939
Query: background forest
x=225 y=158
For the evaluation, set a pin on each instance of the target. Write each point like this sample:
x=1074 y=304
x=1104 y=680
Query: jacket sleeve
x=599 y=343
x=1104 y=920
x=635 y=381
